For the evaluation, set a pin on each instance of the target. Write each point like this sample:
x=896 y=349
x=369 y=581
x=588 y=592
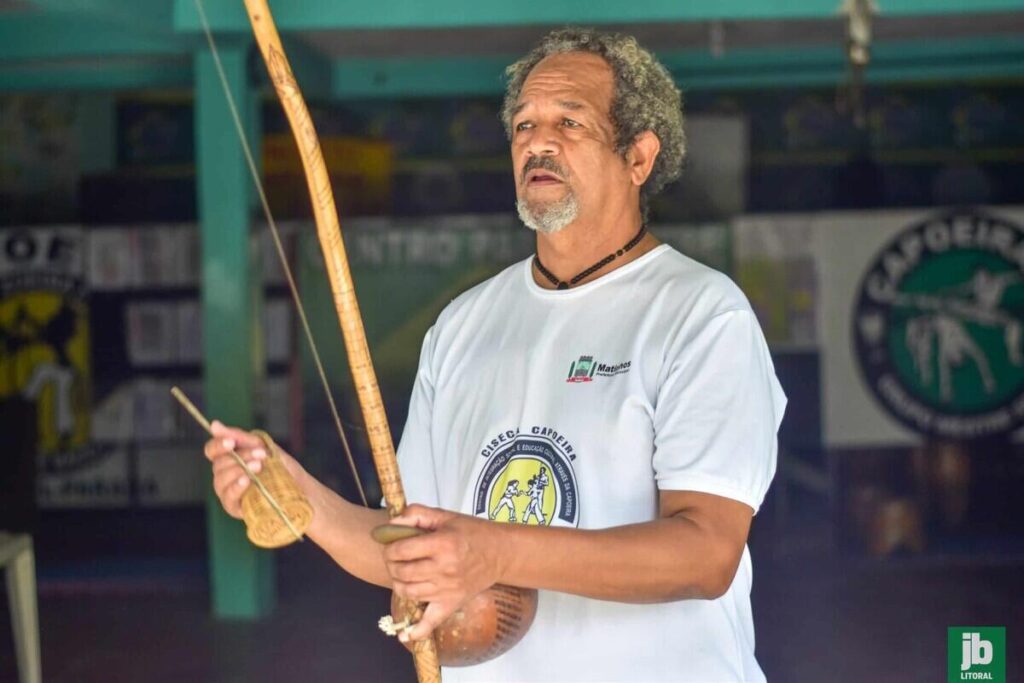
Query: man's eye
x=523 y=125
x=569 y=123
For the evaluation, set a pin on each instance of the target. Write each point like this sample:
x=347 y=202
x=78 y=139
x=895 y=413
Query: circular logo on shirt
x=528 y=479
x=939 y=326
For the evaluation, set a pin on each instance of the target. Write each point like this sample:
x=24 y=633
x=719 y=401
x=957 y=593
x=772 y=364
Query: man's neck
x=580 y=245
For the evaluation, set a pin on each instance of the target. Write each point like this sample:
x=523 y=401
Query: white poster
x=158 y=257
x=190 y=332
x=112 y=254
x=921 y=324
x=155 y=410
x=152 y=332
x=113 y=419
x=186 y=269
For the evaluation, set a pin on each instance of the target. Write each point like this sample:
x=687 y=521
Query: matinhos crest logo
x=939 y=326
x=584 y=369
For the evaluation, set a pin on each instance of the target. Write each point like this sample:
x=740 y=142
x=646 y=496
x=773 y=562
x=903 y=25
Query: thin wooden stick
x=205 y=424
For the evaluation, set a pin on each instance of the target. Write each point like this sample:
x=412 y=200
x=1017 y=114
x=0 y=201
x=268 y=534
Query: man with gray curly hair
x=644 y=99
x=660 y=440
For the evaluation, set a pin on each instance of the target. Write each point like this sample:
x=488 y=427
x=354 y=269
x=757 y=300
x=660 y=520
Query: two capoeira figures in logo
x=536 y=485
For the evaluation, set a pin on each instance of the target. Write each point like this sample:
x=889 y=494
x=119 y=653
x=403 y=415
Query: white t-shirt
x=573 y=408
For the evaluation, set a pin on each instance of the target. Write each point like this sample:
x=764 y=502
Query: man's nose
x=544 y=142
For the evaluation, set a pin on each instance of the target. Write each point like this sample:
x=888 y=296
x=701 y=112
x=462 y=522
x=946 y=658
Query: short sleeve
x=415 y=455
x=718 y=410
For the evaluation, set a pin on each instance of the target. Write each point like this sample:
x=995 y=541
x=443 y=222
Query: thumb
x=433 y=616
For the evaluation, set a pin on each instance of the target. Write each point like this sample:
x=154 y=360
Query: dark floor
x=817 y=618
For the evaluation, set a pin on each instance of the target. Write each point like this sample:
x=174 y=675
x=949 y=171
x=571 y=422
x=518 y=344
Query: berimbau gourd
x=274 y=510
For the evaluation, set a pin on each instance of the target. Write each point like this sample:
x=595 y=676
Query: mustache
x=543 y=163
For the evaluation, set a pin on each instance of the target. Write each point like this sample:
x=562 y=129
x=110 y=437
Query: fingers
x=433 y=616
x=226 y=471
x=217 y=447
x=242 y=438
x=243 y=443
x=230 y=481
x=412 y=572
x=422 y=591
x=411 y=549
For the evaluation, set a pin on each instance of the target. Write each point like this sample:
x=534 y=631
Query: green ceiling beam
x=370 y=78
x=61 y=47
x=157 y=9
x=228 y=15
x=106 y=76
x=998 y=57
x=812 y=75
x=148 y=16
x=1001 y=57
x=52 y=36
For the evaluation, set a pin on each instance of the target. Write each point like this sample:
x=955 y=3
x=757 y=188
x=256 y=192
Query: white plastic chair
x=17 y=558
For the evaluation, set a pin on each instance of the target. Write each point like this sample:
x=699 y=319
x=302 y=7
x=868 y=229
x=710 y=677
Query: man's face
x=563 y=142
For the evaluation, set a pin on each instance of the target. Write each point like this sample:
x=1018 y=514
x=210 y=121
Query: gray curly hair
x=645 y=97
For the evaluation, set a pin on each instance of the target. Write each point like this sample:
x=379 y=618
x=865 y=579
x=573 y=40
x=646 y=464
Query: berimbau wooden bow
x=329 y=233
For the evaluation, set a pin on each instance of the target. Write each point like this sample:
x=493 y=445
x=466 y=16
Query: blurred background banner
x=46 y=369
x=923 y=334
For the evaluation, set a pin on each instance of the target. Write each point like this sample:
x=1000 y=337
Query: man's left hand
x=459 y=558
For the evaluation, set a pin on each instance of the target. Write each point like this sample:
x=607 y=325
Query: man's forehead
x=576 y=76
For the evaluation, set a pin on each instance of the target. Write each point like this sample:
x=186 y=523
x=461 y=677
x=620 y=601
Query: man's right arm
x=341 y=528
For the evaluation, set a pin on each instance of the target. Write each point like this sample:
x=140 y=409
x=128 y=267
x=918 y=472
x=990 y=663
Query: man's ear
x=642 y=154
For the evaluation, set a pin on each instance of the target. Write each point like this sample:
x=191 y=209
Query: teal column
x=241 y=576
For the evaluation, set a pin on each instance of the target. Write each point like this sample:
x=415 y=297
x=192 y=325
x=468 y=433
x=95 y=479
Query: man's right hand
x=229 y=479
x=341 y=528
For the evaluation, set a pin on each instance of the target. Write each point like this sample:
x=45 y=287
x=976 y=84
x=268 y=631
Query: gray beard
x=550 y=218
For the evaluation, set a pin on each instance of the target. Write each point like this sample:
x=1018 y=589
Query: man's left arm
x=691 y=551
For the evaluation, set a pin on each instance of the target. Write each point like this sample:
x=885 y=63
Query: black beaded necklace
x=562 y=284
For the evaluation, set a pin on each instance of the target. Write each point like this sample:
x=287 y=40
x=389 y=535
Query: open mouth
x=540 y=178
